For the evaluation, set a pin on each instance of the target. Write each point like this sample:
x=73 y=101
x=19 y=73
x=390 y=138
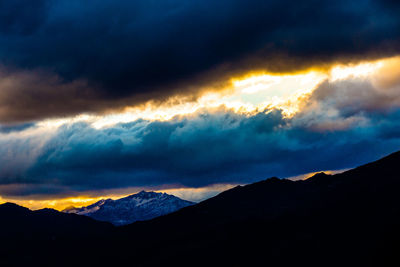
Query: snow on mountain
x=137 y=207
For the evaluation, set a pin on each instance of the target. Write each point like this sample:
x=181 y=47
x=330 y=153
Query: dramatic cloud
x=101 y=60
x=29 y=95
x=206 y=148
x=90 y=56
x=351 y=117
x=346 y=103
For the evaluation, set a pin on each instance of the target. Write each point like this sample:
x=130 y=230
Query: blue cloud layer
x=208 y=148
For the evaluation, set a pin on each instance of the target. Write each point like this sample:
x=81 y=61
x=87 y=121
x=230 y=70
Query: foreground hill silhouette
x=348 y=219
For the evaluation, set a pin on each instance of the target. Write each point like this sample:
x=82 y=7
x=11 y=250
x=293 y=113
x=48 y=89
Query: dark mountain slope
x=37 y=238
x=351 y=219
x=274 y=197
x=348 y=219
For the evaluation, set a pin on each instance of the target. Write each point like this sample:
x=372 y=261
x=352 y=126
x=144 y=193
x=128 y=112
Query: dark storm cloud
x=106 y=54
x=21 y=16
x=29 y=95
x=206 y=148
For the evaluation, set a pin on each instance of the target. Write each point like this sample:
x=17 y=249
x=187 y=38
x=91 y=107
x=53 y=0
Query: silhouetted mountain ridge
x=354 y=210
x=348 y=219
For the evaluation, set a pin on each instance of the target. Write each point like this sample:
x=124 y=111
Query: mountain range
x=347 y=219
x=137 y=207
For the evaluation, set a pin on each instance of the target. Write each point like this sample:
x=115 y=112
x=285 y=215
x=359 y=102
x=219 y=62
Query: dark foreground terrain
x=348 y=219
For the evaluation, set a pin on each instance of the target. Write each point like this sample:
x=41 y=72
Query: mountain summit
x=347 y=219
x=137 y=207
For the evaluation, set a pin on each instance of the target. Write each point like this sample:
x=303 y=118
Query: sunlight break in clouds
x=247 y=95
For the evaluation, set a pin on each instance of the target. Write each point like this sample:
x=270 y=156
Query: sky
x=101 y=99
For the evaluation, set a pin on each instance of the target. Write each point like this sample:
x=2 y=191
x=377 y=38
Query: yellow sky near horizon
x=88 y=198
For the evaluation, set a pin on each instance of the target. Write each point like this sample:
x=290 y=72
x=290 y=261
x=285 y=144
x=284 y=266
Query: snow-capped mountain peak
x=137 y=207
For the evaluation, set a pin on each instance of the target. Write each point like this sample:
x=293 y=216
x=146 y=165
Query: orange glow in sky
x=248 y=94
x=61 y=203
